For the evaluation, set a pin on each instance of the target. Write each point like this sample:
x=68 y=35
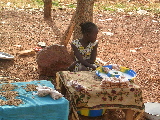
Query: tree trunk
x=47 y=8
x=68 y=33
x=84 y=13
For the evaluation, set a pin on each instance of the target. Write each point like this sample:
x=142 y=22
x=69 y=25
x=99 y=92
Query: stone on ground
x=53 y=59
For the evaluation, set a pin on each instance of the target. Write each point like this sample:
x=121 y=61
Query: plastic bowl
x=91 y=113
x=130 y=74
x=152 y=111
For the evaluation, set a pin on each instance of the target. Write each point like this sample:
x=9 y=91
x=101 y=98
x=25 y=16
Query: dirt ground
x=128 y=39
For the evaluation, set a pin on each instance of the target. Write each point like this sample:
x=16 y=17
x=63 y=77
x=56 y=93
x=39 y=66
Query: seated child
x=85 y=48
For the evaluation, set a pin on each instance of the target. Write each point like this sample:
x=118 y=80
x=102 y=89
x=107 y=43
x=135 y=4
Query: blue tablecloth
x=35 y=107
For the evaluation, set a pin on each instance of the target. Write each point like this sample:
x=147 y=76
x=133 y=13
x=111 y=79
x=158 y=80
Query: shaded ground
x=135 y=43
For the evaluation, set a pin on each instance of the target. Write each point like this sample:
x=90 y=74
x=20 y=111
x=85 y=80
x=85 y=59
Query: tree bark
x=47 y=8
x=84 y=13
x=68 y=33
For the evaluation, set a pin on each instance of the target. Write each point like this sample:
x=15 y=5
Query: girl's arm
x=80 y=58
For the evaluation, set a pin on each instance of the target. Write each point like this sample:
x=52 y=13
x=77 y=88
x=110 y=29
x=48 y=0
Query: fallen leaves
x=130 y=40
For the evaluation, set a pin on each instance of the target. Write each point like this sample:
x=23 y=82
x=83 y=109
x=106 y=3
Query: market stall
x=87 y=93
x=19 y=101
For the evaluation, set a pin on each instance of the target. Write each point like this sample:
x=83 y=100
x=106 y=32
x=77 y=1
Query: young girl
x=85 y=48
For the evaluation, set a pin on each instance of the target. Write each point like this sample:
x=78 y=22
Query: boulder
x=53 y=59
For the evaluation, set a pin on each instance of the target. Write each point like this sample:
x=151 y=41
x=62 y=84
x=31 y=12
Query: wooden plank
x=57 y=81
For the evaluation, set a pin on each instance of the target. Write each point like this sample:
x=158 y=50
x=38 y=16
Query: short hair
x=87 y=27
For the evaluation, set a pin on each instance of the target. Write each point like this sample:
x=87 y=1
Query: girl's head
x=89 y=31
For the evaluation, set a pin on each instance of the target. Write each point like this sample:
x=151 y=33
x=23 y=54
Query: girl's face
x=92 y=36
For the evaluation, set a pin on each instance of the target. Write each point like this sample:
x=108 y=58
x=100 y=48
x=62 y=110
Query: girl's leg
x=82 y=68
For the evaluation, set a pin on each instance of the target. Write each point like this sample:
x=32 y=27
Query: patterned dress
x=85 y=52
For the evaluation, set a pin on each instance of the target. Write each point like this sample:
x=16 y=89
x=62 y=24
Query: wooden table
x=90 y=95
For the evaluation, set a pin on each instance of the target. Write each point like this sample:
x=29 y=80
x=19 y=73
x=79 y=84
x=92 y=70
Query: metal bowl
x=7 y=56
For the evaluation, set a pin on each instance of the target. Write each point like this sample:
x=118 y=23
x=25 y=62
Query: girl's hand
x=94 y=68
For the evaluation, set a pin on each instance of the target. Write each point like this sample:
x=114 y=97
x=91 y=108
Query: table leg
x=57 y=81
x=138 y=116
x=59 y=85
x=63 y=90
x=74 y=114
x=129 y=114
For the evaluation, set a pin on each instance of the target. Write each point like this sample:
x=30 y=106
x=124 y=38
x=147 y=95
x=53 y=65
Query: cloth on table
x=35 y=107
x=87 y=93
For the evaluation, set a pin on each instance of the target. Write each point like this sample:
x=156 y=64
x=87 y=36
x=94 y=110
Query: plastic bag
x=55 y=94
x=44 y=90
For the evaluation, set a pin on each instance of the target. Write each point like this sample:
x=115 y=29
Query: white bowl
x=152 y=111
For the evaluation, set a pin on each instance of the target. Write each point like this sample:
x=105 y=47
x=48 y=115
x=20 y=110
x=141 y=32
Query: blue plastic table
x=35 y=107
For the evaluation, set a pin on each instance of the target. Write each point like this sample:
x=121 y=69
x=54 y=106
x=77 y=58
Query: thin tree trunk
x=47 y=8
x=68 y=33
x=84 y=13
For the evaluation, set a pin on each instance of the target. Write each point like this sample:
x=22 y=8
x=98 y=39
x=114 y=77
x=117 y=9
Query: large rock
x=53 y=59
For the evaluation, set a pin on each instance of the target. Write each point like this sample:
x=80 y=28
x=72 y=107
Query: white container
x=6 y=56
x=152 y=111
